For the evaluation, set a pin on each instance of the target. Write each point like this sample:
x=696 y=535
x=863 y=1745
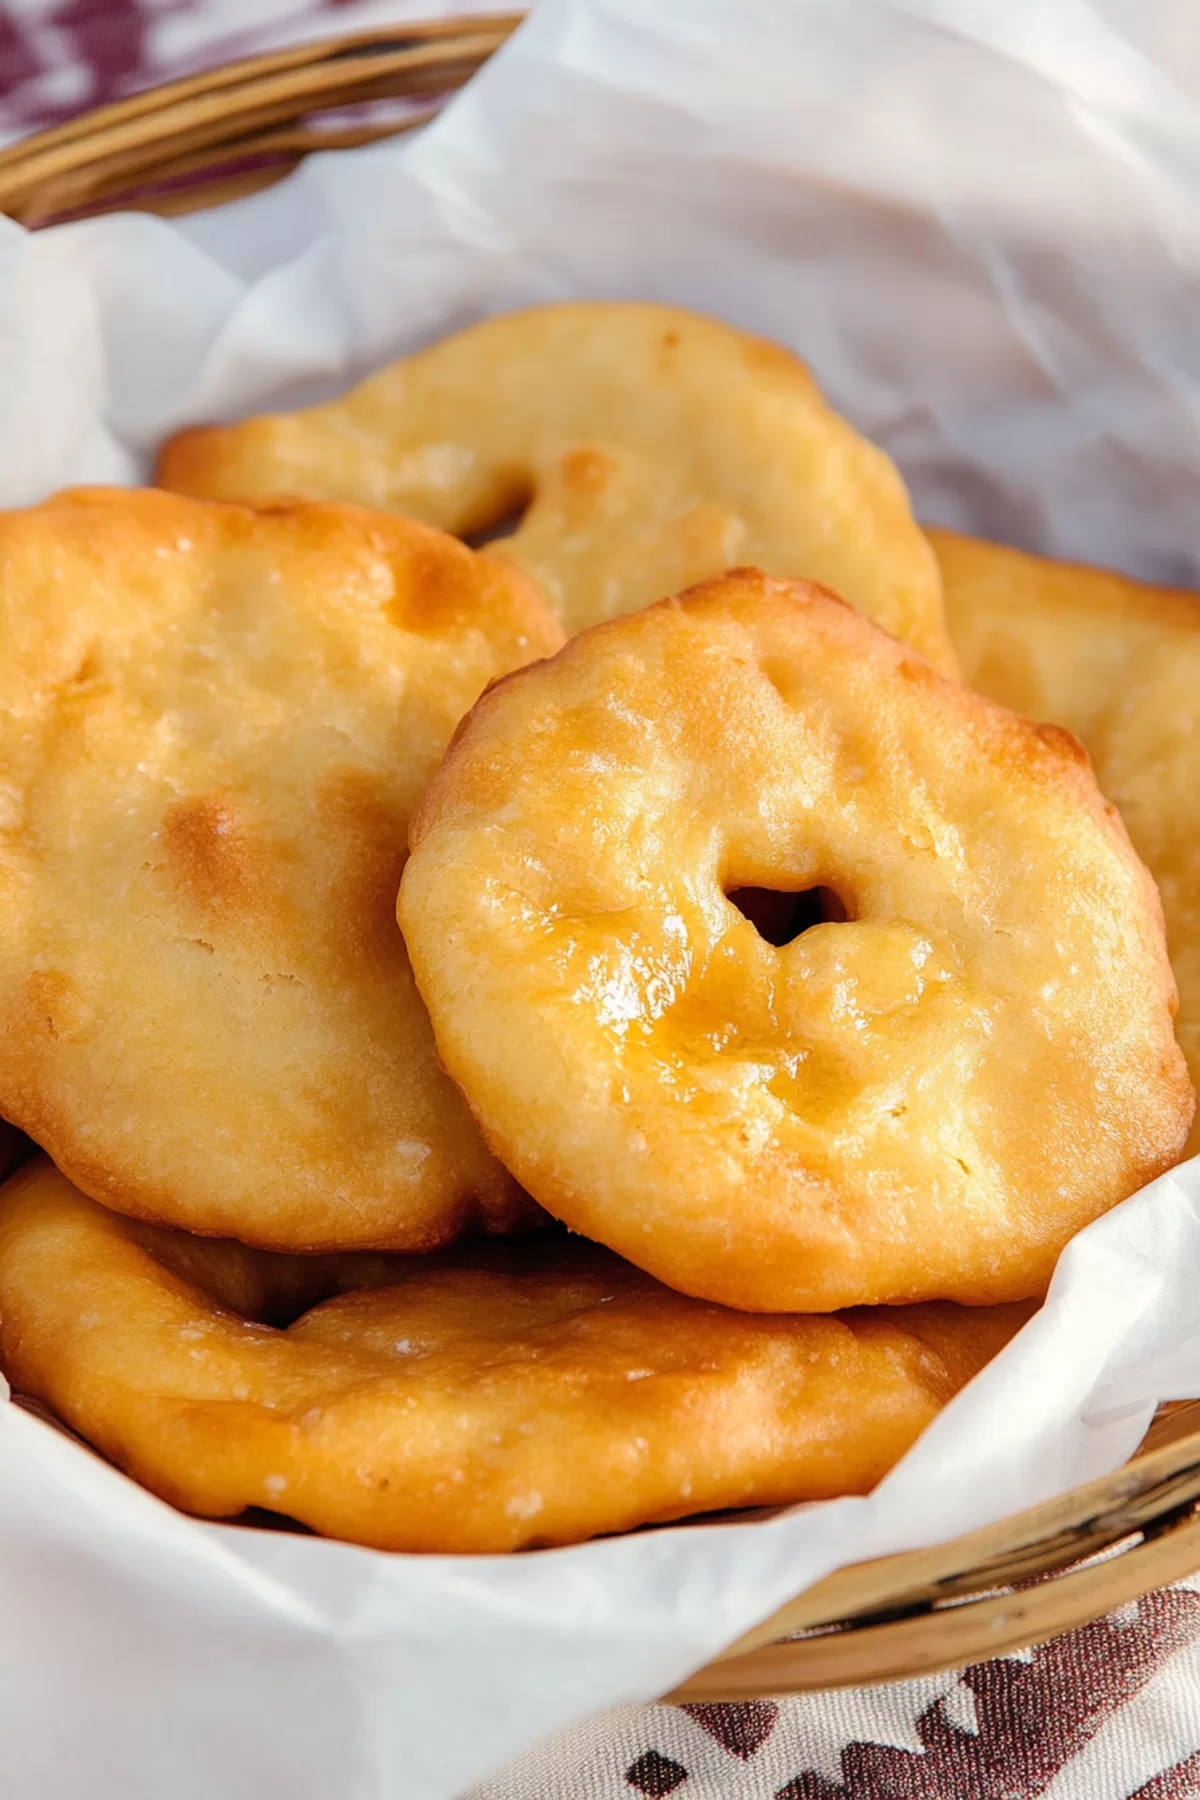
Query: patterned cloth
x=1111 y=1712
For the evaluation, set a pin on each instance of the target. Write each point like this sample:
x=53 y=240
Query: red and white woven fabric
x=1111 y=1712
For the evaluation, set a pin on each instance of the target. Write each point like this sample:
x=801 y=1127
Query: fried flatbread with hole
x=963 y=1060
x=214 y=724
x=650 y=447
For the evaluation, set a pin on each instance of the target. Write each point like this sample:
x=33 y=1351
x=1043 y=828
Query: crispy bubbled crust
x=491 y=1398
x=925 y=1101
x=645 y=446
x=215 y=722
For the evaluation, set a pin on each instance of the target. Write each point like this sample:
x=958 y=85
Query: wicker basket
x=217 y=136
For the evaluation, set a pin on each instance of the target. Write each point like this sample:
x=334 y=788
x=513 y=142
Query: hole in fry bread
x=780 y=917
x=503 y=524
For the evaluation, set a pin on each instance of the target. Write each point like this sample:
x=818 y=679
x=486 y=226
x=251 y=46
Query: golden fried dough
x=1118 y=663
x=922 y=1101
x=490 y=1399
x=214 y=724
x=651 y=446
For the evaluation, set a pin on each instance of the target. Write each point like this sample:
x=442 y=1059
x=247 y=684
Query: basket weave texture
x=232 y=130
x=229 y=132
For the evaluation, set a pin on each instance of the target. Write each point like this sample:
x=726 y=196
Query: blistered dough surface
x=923 y=1101
x=215 y=722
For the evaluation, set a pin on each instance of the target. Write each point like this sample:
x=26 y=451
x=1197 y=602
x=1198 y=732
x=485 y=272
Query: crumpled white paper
x=978 y=223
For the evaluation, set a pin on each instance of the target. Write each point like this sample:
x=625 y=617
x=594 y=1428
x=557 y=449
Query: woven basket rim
x=123 y=155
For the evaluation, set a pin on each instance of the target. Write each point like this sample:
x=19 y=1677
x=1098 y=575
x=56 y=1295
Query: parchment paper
x=978 y=224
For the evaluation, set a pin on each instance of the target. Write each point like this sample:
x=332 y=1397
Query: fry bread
x=491 y=1398
x=214 y=724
